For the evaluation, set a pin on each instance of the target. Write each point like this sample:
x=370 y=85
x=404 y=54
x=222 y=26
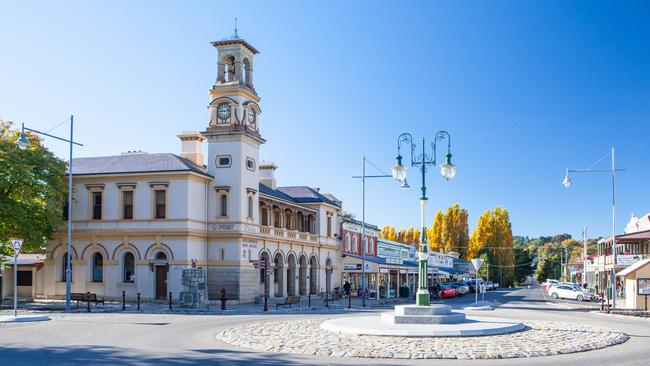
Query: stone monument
x=194 y=294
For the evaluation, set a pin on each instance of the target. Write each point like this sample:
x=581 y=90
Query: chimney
x=191 y=146
x=267 y=174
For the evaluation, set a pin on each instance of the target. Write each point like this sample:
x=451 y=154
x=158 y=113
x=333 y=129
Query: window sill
x=94 y=283
x=126 y=284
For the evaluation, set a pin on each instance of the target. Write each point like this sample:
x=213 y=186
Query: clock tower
x=233 y=133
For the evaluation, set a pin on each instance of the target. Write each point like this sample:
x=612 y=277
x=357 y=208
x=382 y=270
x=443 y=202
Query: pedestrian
x=438 y=289
x=347 y=287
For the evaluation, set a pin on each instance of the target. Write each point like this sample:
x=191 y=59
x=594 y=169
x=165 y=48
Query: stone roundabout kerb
x=307 y=337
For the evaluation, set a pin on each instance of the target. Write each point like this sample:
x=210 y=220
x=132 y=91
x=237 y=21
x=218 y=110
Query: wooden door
x=161 y=282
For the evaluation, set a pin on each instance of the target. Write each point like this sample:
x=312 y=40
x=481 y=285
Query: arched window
x=247 y=72
x=365 y=246
x=98 y=267
x=355 y=245
x=348 y=243
x=250 y=207
x=129 y=268
x=229 y=68
x=161 y=256
x=224 y=205
x=64 y=266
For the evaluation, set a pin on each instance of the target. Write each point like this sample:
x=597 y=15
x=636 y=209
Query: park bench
x=290 y=300
x=331 y=298
x=81 y=297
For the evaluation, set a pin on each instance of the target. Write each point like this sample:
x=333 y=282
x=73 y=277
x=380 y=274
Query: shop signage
x=383 y=270
x=402 y=271
x=643 y=286
x=351 y=267
x=626 y=260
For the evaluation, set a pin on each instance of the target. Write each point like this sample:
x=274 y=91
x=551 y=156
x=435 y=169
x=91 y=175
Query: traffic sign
x=16 y=243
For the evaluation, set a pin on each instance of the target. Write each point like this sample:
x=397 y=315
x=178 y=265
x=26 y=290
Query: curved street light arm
x=440 y=135
x=406 y=138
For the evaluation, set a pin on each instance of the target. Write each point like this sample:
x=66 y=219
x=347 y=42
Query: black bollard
x=349 y=300
x=170 y=300
x=138 y=301
x=266 y=305
x=223 y=298
x=309 y=300
x=88 y=301
x=123 y=300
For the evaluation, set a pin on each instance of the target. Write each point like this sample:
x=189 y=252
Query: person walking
x=346 y=288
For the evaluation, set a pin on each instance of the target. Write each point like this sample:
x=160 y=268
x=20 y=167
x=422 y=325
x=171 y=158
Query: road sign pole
x=15 y=285
x=16 y=243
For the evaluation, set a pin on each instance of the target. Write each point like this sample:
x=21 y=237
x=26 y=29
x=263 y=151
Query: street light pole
x=448 y=171
x=567 y=183
x=23 y=142
x=584 y=255
x=363 y=225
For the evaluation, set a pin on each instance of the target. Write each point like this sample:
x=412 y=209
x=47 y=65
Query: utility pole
x=584 y=255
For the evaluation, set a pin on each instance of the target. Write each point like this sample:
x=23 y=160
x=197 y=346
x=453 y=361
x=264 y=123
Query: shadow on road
x=91 y=355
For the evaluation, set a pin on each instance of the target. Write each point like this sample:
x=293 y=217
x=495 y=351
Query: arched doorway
x=291 y=275
x=302 y=277
x=328 y=275
x=278 y=275
x=161 y=271
x=264 y=277
x=313 y=276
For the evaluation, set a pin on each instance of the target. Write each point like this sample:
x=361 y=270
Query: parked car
x=473 y=284
x=460 y=287
x=489 y=286
x=548 y=283
x=569 y=292
x=447 y=291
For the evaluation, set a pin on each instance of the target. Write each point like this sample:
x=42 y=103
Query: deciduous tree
x=32 y=190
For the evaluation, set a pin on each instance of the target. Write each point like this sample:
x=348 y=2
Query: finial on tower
x=235 y=35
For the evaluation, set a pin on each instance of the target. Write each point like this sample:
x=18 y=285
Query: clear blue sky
x=525 y=88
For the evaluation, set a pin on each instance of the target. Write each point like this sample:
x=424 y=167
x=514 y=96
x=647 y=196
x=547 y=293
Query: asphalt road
x=151 y=339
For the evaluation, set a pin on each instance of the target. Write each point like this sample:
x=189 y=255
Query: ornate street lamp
x=447 y=171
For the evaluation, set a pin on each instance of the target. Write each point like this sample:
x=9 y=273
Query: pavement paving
x=183 y=339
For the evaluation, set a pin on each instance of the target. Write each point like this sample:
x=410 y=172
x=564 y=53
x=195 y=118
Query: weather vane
x=236 y=35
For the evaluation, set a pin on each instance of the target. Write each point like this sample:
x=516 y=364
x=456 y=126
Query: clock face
x=224 y=111
x=251 y=117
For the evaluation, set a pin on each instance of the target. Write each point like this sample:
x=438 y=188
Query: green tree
x=32 y=190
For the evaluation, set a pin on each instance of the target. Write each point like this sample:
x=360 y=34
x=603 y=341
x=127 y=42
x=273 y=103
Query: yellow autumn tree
x=434 y=234
x=392 y=235
x=384 y=232
x=493 y=236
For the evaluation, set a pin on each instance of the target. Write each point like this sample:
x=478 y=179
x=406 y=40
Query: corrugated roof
x=304 y=194
x=275 y=193
x=134 y=163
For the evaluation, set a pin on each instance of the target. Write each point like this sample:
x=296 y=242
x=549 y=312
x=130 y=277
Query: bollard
x=123 y=300
x=170 y=300
x=223 y=298
x=309 y=301
x=138 y=301
x=349 y=300
x=88 y=301
x=266 y=305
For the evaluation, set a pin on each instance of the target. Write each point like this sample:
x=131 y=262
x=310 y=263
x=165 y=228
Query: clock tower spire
x=233 y=133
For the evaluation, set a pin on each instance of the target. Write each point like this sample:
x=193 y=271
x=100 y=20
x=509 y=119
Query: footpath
x=314 y=305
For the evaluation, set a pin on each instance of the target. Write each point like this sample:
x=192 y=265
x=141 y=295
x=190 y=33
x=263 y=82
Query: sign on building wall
x=626 y=260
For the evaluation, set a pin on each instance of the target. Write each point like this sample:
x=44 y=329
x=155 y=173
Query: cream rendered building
x=139 y=219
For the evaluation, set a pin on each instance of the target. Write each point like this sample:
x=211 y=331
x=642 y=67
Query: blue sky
x=524 y=88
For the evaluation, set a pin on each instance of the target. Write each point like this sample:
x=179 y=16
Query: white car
x=569 y=292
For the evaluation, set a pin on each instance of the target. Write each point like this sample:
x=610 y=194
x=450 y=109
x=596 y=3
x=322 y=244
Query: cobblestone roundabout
x=306 y=337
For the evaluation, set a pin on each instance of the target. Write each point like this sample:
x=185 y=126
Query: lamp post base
x=422 y=297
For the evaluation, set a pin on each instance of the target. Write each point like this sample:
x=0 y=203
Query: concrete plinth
x=414 y=314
